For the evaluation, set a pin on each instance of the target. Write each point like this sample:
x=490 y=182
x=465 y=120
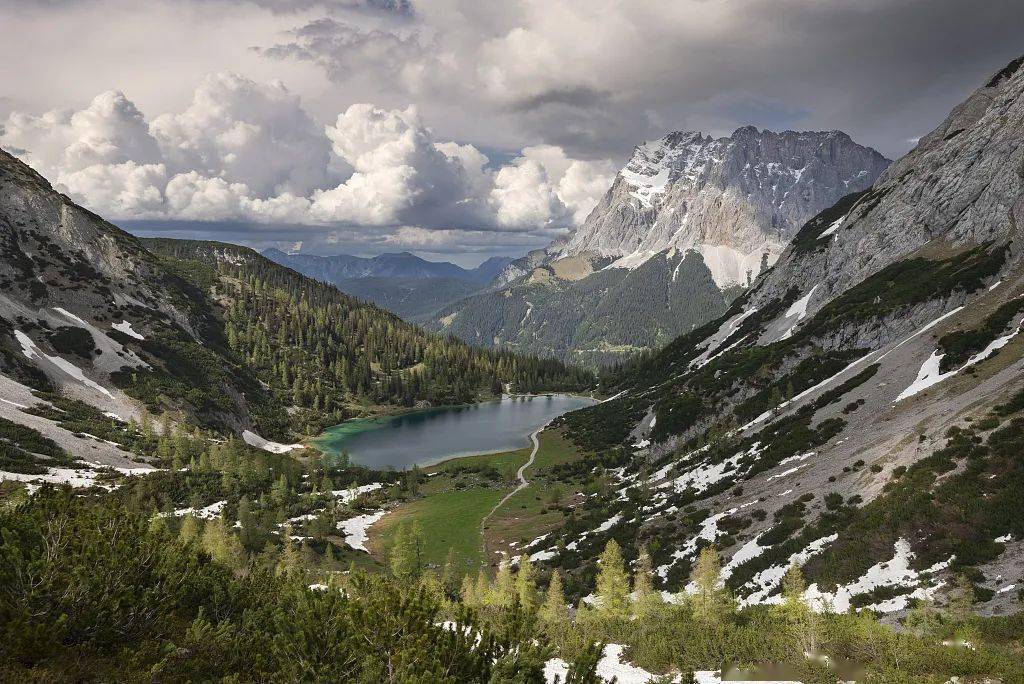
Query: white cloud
x=249 y=152
x=247 y=132
x=544 y=186
x=125 y=189
x=110 y=130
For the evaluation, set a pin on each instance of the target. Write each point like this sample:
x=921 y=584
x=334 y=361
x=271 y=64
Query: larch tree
x=612 y=585
x=802 y=620
x=526 y=585
x=648 y=599
x=709 y=601
x=554 y=613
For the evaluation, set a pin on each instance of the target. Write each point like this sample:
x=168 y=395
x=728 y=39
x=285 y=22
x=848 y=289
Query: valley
x=759 y=414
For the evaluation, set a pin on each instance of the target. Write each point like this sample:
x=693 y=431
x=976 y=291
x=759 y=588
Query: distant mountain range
x=400 y=282
x=624 y=280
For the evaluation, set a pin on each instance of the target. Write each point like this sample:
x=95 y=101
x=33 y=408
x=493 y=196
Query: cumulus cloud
x=243 y=151
x=247 y=132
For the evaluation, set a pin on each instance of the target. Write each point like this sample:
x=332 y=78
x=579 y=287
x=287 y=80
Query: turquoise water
x=434 y=435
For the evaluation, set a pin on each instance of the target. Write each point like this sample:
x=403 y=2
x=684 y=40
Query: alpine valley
x=801 y=460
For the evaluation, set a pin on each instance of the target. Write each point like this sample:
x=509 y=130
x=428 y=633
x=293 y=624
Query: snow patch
x=832 y=228
x=930 y=373
x=349 y=495
x=252 y=439
x=356 y=529
x=31 y=351
x=126 y=328
x=765 y=582
x=892 y=573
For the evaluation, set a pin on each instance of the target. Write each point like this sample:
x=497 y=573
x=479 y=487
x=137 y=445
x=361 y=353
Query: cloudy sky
x=453 y=128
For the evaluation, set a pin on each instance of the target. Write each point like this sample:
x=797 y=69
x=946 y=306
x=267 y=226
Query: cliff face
x=736 y=200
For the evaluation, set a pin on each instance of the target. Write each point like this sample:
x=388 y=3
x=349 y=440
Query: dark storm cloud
x=882 y=71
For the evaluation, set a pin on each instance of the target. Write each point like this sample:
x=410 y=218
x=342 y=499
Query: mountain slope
x=859 y=410
x=411 y=298
x=737 y=200
x=597 y=319
x=733 y=203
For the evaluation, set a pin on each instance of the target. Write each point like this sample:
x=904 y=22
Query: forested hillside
x=603 y=318
x=327 y=353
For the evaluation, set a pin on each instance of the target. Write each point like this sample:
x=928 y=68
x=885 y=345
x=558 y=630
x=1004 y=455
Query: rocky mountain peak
x=736 y=200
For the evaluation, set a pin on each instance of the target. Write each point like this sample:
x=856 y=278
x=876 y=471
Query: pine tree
x=612 y=585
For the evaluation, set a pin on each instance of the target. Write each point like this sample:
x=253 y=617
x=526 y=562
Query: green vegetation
x=542 y=505
x=325 y=352
x=73 y=340
x=601 y=319
x=25 y=450
x=905 y=283
x=449 y=520
x=99 y=593
x=960 y=345
x=808 y=239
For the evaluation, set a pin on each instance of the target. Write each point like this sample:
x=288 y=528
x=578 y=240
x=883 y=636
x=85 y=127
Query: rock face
x=960 y=187
x=852 y=397
x=737 y=200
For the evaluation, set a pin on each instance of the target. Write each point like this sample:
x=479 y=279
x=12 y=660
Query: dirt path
x=523 y=483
